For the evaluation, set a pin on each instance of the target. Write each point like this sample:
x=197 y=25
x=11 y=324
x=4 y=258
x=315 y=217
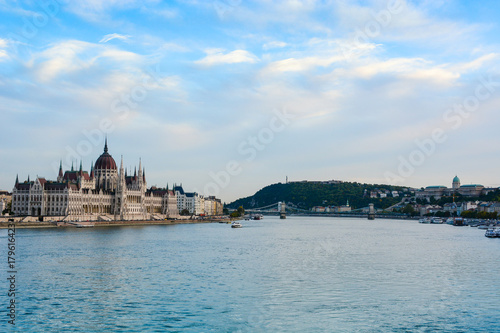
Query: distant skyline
x=229 y=96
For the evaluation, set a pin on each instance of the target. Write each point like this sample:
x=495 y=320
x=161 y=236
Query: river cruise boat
x=436 y=220
x=492 y=233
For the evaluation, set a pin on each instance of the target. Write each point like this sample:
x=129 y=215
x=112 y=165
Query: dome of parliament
x=105 y=161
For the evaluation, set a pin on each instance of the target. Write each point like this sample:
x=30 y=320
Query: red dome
x=105 y=161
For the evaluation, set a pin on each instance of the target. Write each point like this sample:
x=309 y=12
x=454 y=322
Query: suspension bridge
x=277 y=207
x=282 y=209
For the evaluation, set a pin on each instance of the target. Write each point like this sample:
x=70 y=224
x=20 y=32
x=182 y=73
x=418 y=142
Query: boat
x=257 y=217
x=426 y=220
x=436 y=220
x=492 y=233
x=84 y=225
x=236 y=225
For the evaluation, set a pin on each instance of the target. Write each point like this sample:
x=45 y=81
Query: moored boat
x=84 y=225
x=436 y=220
x=492 y=233
x=236 y=225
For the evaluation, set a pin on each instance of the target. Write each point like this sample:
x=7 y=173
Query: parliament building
x=107 y=193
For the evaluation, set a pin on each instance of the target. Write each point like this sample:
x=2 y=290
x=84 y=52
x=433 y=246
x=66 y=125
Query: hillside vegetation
x=306 y=195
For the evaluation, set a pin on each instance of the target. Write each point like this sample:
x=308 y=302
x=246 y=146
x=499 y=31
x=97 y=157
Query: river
x=302 y=274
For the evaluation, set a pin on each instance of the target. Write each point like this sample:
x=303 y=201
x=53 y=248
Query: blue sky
x=229 y=96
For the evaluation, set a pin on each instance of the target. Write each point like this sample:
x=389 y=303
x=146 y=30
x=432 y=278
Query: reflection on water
x=299 y=274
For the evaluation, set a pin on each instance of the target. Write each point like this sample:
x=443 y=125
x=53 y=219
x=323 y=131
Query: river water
x=302 y=274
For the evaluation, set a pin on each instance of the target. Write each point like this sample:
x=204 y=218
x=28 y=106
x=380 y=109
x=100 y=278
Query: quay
x=4 y=223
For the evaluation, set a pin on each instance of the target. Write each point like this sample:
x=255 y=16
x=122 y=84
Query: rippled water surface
x=301 y=274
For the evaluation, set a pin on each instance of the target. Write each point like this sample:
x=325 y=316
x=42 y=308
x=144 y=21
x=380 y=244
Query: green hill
x=306 y=195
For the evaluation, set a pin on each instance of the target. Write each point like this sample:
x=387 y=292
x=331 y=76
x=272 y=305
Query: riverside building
x=469 y=190
x=106 y=193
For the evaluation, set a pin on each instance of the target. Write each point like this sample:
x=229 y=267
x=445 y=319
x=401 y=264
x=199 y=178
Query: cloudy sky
x=228 y=96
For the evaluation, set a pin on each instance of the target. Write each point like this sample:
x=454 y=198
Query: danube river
x=302 y=274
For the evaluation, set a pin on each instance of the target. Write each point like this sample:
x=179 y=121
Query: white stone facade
x=105 y=193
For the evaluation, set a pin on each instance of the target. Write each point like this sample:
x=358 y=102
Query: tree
x=238 y=213
x=468 y=214
x=409 y=209
x=185 y=212
x=8 y=209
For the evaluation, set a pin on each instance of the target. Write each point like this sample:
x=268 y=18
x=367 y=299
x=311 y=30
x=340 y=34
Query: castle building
x=455 y=185
x=472 y=190
x=106 y=193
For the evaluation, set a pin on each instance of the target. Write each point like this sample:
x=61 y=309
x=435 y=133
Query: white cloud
x=119 y=55
x=274 y=45
x=3 y=52
x=109 y=37
x=72 y=56
x=409 y=68
x=476 y=63
x=99 y=10
x=218 y=57
x=168 y=46
x=59 y=59
x=411 y=22
x=302 y=64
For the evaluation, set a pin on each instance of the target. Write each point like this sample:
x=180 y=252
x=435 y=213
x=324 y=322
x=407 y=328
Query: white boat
x=436 y=220
x=84 y=225
x=492 y=233
x=426 y=220
x=236 y=225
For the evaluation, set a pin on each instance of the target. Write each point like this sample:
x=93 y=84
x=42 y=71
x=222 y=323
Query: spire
x=72 y=166
x=81 y=166
x=28 y=178
x=60 y=169
x=92 y=169
x=140 y=170
x=106 y=144
x=17 y=179
x=121 y=185
x=135 y=173
x=143 y=175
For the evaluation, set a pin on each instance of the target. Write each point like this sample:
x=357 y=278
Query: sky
x=228 y=96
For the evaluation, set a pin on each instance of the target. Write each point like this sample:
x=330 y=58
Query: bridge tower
x=371 y=212
x=282 y=209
